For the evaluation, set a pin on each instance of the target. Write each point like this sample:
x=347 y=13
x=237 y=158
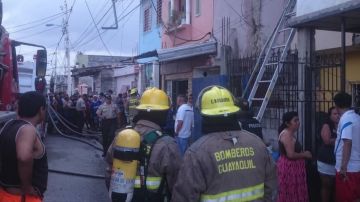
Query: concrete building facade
x=188 y=48
x=126 y=78
x=98 y=72
x=149 y=40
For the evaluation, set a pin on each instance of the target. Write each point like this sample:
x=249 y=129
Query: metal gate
x=285 y=95
x=321 y=84
x=312 y=100
x=306 y=85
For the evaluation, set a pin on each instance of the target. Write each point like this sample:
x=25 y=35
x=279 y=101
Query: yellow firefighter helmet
x=216 y=101
x=153 y=99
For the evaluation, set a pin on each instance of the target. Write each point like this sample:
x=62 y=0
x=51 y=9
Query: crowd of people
x=81 y=109
x=107 y=113
x=338 y=158
x=228 y=163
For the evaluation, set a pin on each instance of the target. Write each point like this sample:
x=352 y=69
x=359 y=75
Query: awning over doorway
x=331 y=18
x=186 y=51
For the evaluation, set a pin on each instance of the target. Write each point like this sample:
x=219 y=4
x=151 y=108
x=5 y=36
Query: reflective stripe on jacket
x=226 y=166
x=133 y=102
x=152 y=183
x=245 y=194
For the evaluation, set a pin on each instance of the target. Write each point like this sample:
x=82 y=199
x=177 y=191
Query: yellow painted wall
x=329 y=84
x=330 y=79
x=353 y=67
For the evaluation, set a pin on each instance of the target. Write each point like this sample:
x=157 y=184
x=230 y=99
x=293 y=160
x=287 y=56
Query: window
x=159 y=13
x=170 y=12
x=147 y=19
x=182 y=11
x=148 y=74
x=182 y=6
x=197 y=7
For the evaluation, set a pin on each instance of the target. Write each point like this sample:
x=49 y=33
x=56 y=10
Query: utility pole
x=55 y=72
x=67 y=48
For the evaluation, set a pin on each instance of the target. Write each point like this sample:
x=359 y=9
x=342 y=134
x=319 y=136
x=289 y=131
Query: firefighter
x=226 y=164
x=159 y=157
x=246 y=119
x=133 y=102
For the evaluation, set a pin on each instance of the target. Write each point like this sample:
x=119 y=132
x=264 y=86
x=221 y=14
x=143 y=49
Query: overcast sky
x=26 y=21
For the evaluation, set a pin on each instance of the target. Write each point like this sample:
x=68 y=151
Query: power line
x=33 y=26
x=97 y=29
x=112 y=37
x=122 y=31
x=88 y=41
x=87 y=30
x=58 y=44
x=56 y=49
x=37 y=33
x=71 y=9
x=92 y=32
x=32 y=52
x=39 y=20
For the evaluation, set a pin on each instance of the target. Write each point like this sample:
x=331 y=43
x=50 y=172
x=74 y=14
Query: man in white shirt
x=347 y=150
x=183 y=123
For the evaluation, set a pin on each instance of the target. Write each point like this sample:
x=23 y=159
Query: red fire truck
x=9 y=78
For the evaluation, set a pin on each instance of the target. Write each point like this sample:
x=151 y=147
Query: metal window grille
x=159 y=12
x=147 y=19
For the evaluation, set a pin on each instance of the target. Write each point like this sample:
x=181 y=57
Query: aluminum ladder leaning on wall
x=279 y=40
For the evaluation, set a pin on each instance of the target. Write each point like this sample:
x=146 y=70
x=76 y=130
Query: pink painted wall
x=199 y=24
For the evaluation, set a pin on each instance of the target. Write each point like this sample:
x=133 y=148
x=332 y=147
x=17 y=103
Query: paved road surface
x=72 y=156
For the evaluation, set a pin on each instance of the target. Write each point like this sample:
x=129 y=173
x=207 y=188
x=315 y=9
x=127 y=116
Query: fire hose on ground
x=71 y=137
x=80 y=140
x=63 y=120
x=76 y=139
x=71 y=124
x=76 y=174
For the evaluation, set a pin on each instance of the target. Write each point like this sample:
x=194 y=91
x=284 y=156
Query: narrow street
x=67 y=155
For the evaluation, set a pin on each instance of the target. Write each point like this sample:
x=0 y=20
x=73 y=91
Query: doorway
x=175 y=88
x=179 y=87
